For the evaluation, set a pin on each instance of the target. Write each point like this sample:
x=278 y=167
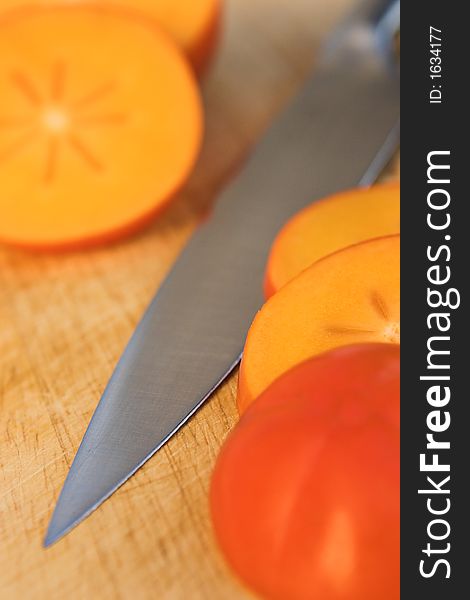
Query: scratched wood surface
x=64 y=321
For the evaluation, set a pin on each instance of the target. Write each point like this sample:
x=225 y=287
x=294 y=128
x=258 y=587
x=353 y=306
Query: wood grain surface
x=64 y=321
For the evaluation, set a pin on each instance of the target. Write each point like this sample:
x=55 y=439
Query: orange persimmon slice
x=100 y=124
x=193 y=24
x=351 y=296
x=329 y=225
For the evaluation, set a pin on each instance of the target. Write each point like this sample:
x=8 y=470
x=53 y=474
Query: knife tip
x=62 y=523
x=54 y=534
x=49 y=540
x=68 y=513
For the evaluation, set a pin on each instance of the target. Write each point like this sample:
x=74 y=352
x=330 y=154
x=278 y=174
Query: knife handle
x=375 y=12
x=372 y=26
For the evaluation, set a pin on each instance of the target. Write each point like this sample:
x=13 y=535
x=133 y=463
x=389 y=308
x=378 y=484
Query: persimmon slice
x=329 y=225
x=193 y=24
x=351 y=296
x=100 y=124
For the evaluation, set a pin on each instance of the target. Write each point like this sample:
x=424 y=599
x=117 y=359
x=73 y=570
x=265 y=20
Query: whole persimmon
x=305 y=492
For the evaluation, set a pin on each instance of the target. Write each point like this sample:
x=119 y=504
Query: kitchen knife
x=338 y=132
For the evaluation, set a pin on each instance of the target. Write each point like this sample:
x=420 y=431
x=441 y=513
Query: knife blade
x=338 y=132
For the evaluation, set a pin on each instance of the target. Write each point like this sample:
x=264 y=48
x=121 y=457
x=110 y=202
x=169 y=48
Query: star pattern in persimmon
x=58 y=123
x=390 y=331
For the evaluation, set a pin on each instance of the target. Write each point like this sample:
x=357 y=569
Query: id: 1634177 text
x=435 y=65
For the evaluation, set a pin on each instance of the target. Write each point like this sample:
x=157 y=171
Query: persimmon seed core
x=392 y=333
x=55 y=119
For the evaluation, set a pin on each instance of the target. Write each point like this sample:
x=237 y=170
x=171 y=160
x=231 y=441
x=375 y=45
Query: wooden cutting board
x=64 y=321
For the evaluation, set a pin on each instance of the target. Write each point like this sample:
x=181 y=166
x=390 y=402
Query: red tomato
x=305 y=493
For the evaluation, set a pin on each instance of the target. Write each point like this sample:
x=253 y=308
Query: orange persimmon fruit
x=350 y=296
x=305 y=495
x=100 y=125
x=328 y=225
x=193 y=24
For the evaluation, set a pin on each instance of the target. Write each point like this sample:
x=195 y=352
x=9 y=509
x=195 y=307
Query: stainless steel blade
x=338 y=132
